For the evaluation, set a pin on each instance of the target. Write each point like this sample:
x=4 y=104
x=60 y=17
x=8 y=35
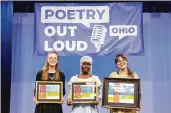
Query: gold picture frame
x=84 y=92
x=49 y=91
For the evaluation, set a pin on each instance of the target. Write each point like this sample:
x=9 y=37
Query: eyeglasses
x=120 y=61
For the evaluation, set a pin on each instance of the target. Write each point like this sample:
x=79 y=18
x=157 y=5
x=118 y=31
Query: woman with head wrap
x=85 y=76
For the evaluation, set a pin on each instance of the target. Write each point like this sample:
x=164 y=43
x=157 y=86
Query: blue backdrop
x=110 y=28
x=154 y=68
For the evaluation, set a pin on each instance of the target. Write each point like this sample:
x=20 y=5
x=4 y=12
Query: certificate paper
x=84 y=92
x=49 y=92
x=121 y=93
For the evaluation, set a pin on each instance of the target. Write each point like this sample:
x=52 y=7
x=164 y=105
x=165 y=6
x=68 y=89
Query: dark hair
x=130 y=73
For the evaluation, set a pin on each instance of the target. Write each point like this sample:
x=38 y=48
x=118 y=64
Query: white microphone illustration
x=98 y=36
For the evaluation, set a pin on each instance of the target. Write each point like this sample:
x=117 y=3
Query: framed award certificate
x=121 y=93
x=49 y=91
x=84 y=92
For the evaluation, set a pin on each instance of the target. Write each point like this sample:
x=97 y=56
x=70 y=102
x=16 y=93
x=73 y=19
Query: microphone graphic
x=98 y=36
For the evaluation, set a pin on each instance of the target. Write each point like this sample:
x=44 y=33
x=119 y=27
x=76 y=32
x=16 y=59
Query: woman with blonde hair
x=50 y=72
x=124 y=72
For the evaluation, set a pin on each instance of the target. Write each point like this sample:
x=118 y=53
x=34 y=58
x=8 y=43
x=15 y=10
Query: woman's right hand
x=35 y=100
x=69 y=102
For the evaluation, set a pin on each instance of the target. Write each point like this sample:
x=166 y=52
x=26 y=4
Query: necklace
x=51 y=76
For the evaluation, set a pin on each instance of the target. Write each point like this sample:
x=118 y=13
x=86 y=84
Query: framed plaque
x=49 y=91
x=121 y=93
x=84 y=92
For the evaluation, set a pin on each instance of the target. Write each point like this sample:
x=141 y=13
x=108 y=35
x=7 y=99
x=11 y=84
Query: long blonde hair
x=46 y=68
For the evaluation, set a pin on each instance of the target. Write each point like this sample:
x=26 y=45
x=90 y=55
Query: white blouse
x=86 y=108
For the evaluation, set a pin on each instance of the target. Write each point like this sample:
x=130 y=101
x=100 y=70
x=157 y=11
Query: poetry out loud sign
x=88 y=28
